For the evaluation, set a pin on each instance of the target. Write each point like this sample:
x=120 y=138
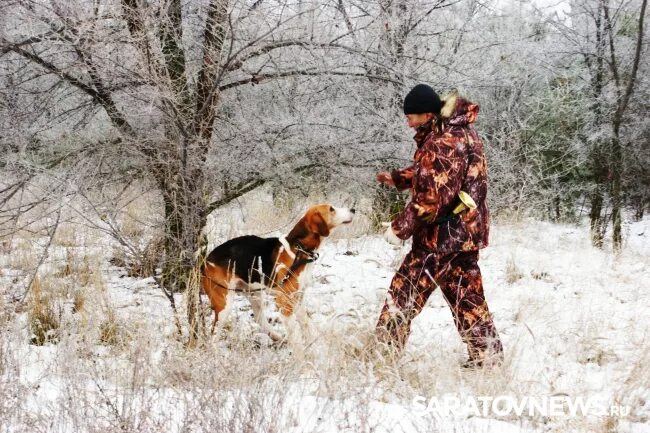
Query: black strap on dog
x=310 y=255
x=233 y=289
x=303 y=256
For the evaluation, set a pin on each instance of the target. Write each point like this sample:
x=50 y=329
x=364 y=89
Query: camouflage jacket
x=449 y=158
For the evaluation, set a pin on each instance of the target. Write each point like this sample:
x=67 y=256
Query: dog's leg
x=290 y=325
x=212 y=282
x=288 y=299
x=214 y=322
x=306 y=277
x=256 y=298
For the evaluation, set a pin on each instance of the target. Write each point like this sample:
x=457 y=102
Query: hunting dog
x=252 y=265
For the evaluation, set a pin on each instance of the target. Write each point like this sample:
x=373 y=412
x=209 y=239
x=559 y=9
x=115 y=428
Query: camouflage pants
x=459 y=278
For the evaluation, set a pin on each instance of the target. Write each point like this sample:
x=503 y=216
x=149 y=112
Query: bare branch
x=612 y=50
x=171 y=40
x=256 y=79
x=214 y=37
x=240 y=190
x=101 y=96
x=622 y=106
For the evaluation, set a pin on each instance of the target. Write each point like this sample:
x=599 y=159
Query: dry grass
x=141 y=263
x=110 y=331
x=245 y=386
x=67 y=235
x=111 y=375
x=135 y=220
x=43 y=316
x=24 y=254
x=6 y=313
x=74 y=266
x=5 y=246
x=79 y=301
x=513 y=274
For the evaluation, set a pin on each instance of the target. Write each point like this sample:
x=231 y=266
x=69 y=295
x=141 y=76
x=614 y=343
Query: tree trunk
x=596 y=217
x=195 y=318
x=599 y=177
x=616 y=170
x=639 y=209
x=597 y=155
x=185 y=218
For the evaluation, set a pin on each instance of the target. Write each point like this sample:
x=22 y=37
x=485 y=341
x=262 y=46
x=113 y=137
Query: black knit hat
x=422 y=99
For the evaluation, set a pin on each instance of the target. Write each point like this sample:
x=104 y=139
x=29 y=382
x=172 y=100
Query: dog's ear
x=318 y=225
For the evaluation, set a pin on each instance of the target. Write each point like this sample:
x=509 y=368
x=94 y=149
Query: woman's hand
x=385 y=178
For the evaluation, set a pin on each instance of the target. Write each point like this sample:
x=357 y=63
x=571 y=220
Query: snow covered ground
x=573 y=320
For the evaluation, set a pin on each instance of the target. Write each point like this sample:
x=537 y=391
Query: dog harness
x=302 y=256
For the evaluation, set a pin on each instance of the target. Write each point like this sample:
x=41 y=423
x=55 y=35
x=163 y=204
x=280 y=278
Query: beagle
x=251 y=265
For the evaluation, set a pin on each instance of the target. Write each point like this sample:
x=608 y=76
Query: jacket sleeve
x=403 y=178
x=476 y=180
x=437 y=182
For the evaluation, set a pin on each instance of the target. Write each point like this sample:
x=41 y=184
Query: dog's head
x=322 y=218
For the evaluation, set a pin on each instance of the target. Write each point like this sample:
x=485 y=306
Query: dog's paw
x=276 y=337
x=280 y=344
x=262 y=339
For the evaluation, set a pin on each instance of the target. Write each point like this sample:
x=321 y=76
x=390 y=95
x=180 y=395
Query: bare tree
x=208 y=100
x=612 y=58
x=624 y=90
x=159 y=71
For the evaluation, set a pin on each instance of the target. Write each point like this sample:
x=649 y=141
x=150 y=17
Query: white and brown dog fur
x=252 y=265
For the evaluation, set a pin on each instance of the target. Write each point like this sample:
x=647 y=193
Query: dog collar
x=311 y=255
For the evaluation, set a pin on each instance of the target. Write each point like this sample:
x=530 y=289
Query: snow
x=573 y=320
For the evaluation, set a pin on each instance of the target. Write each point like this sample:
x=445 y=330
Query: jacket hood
x=458 y=111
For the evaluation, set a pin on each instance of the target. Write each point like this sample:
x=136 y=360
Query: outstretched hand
x=385 y=178
x=390 y=236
